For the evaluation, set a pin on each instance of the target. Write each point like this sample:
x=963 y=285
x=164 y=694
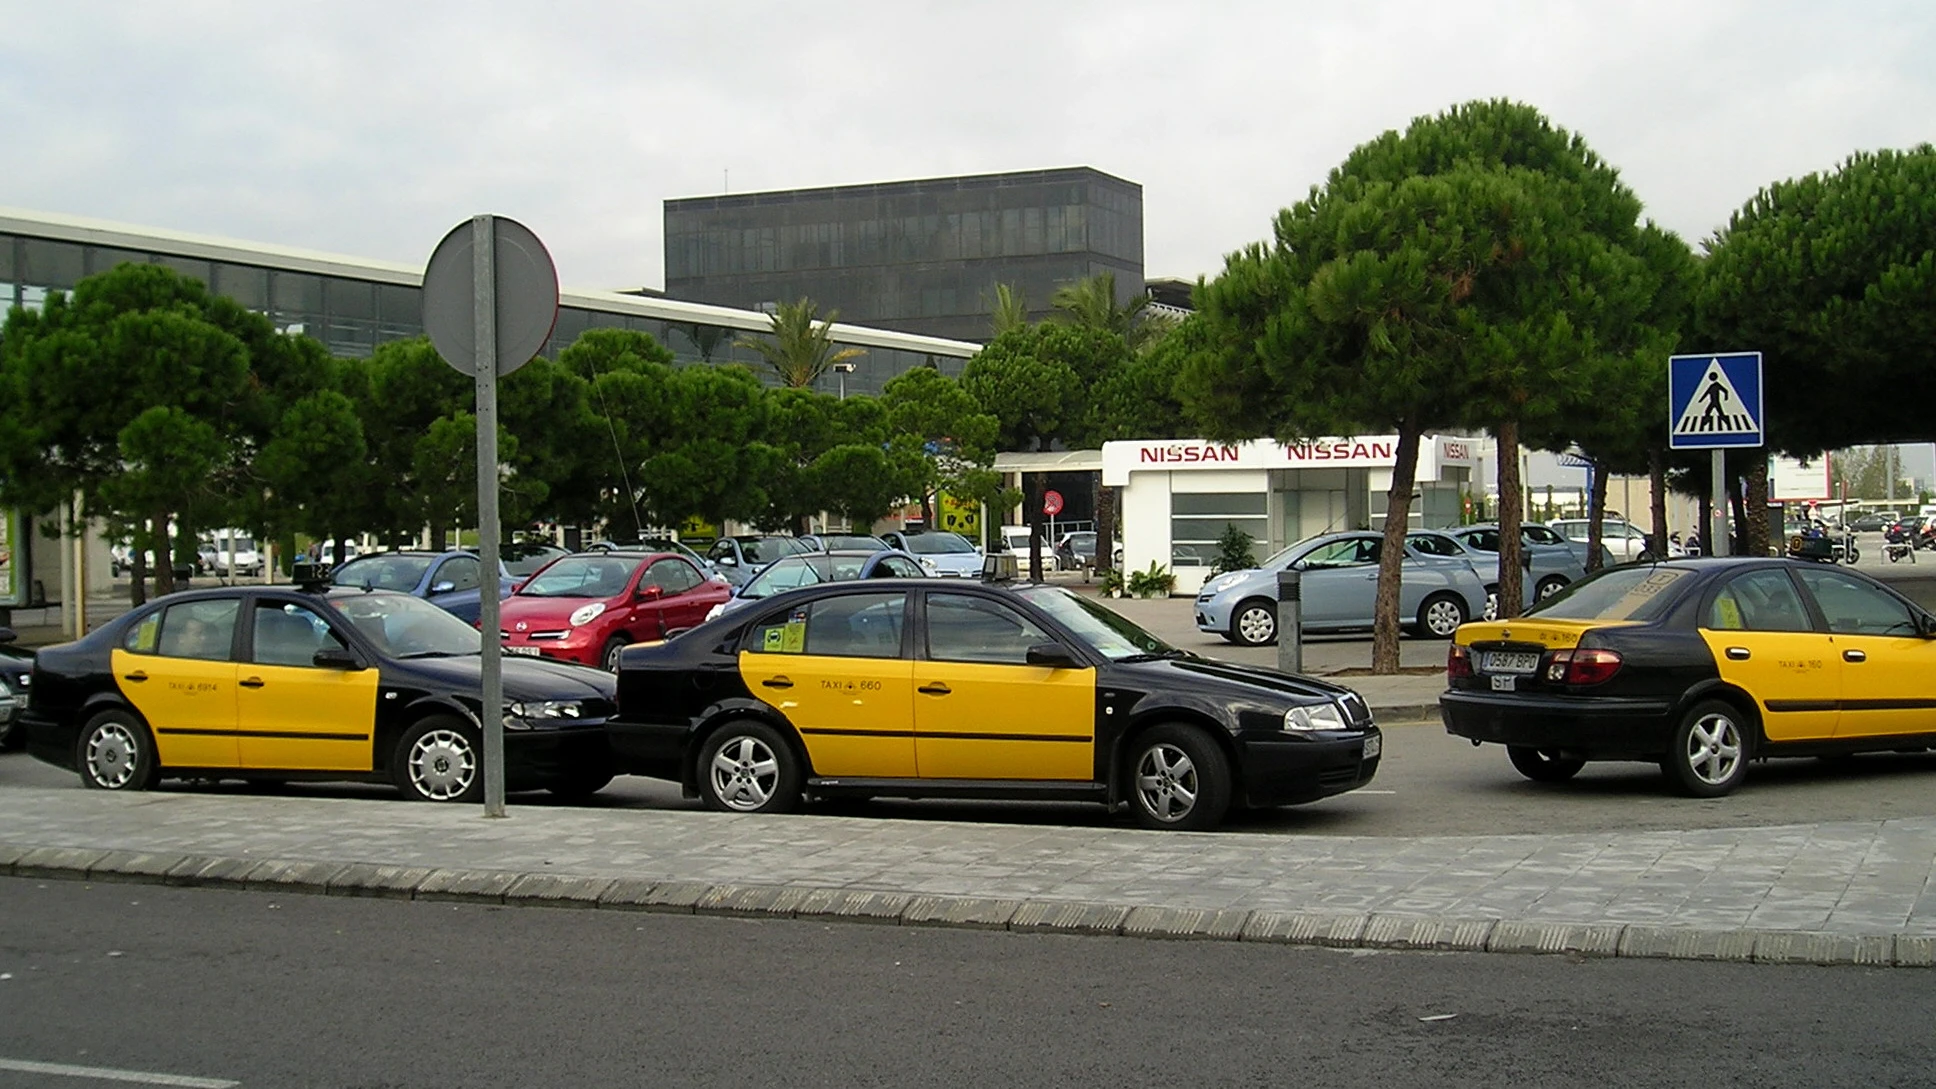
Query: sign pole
x=1718 y=517
x=490 y=639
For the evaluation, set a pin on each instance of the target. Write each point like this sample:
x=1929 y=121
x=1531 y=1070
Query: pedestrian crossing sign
x=1714 y=401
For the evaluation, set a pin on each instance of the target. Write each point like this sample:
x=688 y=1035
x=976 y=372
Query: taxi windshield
x=1620 y=593
x=383 y=572
x=1107 y=633
x=407 y=627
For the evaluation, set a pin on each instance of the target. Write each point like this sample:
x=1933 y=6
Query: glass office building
x=352 y=305
x=919 y=256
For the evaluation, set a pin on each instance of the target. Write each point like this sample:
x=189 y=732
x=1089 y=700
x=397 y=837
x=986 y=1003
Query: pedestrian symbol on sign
x=1711 y=405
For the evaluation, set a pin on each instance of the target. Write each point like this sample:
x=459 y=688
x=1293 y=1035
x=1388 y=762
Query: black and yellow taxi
x=1701 y=665
x=284 y=683
x=904 y=688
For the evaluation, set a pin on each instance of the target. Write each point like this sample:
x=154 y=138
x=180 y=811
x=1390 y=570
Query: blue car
x=452 y=581
x=811 y=569
x=1339 y=584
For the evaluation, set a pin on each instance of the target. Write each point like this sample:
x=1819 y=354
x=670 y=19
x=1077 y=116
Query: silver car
x=949 y=555
x=1338 y=589
x=1624 y=540
x=1551 y=564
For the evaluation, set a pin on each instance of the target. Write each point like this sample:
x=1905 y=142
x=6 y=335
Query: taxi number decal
x=1800 y=663
x=193 y=688
x=852 y=686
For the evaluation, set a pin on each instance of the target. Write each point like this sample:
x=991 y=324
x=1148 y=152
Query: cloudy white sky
x=371 y=128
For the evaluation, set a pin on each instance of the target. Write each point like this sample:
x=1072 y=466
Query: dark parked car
x=16 y=684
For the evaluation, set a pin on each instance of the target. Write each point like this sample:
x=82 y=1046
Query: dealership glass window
x=190 y=267
x=297 y=302
x=102 y=258
x=1198 y=519
x=249 y=287
x=51 y=265
x=399 y=312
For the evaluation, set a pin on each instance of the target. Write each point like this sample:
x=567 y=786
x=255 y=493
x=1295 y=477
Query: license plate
x=529 y=652
x=1373 y=746
x=1509 y=661
x=1506 y=683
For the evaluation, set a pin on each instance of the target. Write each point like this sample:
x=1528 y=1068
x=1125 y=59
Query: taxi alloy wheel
x=440 y=760
x=1710 y=753
x=1179 y=779
x=116 y=753
x=1441 y=616
x=1255 y=623
x=747 y=767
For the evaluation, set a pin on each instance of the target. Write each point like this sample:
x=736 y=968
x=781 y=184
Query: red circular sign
x=1051 y=502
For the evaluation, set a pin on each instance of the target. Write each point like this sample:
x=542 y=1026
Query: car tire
x=1253 y=623
x=1543 y=765
x=116 y=752
x=440 y=759
x=1492 y=604
x=1178 y=779
x=579 y=786
x=1440 y=615
x=747 y=767
x=1548 y=586
x=13 y=737
x=608 y=657
x=1710 y=749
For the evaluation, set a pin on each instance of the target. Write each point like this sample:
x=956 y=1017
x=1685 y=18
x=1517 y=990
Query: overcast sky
x=372 y=128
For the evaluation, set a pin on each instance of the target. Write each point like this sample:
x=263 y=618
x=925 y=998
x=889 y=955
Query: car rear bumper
x=534 y=758
x=1593 y=726
x=1286 y=770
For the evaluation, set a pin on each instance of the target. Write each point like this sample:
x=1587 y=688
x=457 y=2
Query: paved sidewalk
x=1844 y=893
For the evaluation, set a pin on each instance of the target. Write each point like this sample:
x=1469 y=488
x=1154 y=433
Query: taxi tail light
x=1582 y=666
x=1458 y=662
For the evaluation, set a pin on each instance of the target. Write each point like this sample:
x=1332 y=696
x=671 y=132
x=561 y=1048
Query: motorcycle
x=1896 y=544
x=1814 y=543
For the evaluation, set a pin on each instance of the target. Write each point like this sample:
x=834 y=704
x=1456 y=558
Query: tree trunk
x=1391 y=557
x=1596 y=512
x=1755 y=536
x=1738 y=532
x=1512 y=578
x=1032 y=511
x=1657 y=499
x=1105 y=526
x=137 y=568
x=341 y=549
x=164 y=557
x=439 y=538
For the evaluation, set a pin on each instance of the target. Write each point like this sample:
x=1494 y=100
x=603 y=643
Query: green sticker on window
x=770 y=641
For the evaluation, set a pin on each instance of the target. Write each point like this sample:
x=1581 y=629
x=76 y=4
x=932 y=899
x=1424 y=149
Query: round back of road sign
x=1052 y=502
x=526 y=287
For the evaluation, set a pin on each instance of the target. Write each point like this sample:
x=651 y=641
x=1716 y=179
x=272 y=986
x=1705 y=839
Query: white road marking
x=102 y=1073
x=1374 y=792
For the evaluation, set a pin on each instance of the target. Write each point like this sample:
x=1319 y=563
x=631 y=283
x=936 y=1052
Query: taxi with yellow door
x=281 y=683
x=914 y=688
x=1700 y=665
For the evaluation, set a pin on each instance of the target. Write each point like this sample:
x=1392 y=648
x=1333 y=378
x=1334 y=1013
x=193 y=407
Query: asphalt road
x=262 y=991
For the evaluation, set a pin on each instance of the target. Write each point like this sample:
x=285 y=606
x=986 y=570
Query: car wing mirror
x=442 y=587
x=337 y=658
x=651 y=593
x=1053 y=655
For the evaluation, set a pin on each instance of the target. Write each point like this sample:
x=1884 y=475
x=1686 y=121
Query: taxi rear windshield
x=1622 y=593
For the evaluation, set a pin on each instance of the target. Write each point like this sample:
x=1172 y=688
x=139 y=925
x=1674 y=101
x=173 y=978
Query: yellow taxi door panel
x=852 y=713
x=189 y=704
x=981 y=721
x=1888 y=685
x=1795 y=678
x=304 y=718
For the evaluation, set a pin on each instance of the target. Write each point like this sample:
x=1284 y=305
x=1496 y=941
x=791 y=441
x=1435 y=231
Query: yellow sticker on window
x=794 y=639
x=1727 y=612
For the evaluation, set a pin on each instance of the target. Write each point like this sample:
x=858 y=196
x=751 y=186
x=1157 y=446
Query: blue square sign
x=1714 y=400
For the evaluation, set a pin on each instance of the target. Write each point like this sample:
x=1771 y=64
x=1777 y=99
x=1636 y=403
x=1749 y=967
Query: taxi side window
x=1854 y=607
x=287 y=634
x=847 y=626
x=1759 y=601
x=141 y=638
x=199 y=629
x=972 y=629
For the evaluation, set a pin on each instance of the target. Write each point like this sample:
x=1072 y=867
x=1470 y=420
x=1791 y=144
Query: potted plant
x=1157 y=581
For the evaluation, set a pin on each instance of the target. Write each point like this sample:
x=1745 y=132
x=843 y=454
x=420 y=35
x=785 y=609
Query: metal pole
x=1717 y=544
x=490 y=640
x=1290 y=621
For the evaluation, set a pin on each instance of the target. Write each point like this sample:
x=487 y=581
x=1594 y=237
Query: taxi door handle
x=1854 y=656
x=137 y=675
x=777 y=682
x=935 y=689
x=251 y=682
x=1738 y=654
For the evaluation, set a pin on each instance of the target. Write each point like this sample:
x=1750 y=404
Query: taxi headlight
x=528 y=714
x=587 y=614
x=1322 y=716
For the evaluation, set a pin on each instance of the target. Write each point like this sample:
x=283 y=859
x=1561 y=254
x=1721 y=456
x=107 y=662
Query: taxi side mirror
x=1053 y=655
x=336 y=658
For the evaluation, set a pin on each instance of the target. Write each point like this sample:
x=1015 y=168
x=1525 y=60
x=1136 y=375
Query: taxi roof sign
x=1714 y=400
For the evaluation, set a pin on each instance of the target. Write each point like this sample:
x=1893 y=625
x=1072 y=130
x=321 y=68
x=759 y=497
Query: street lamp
x=843 y=370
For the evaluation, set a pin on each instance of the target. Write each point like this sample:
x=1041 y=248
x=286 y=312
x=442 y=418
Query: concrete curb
x=1365 y=931
x=1403 y=714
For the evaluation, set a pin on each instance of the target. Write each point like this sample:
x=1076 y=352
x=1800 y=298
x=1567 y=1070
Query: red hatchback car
x=586 y=607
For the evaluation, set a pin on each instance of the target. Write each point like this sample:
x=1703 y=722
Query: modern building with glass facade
x=919 y=256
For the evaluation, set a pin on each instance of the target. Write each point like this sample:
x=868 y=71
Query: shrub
x=1155 y=582
x=1233 y=551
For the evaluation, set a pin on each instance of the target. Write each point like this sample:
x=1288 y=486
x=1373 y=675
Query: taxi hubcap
x=1714 y=748
x=744 y=773
x=110 y=756
x=442 y=764
x=1166 y=782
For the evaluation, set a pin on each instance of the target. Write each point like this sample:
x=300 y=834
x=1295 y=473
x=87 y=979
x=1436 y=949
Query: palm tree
x=1011 y=310
x=800 y=349
x=1091 y=304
